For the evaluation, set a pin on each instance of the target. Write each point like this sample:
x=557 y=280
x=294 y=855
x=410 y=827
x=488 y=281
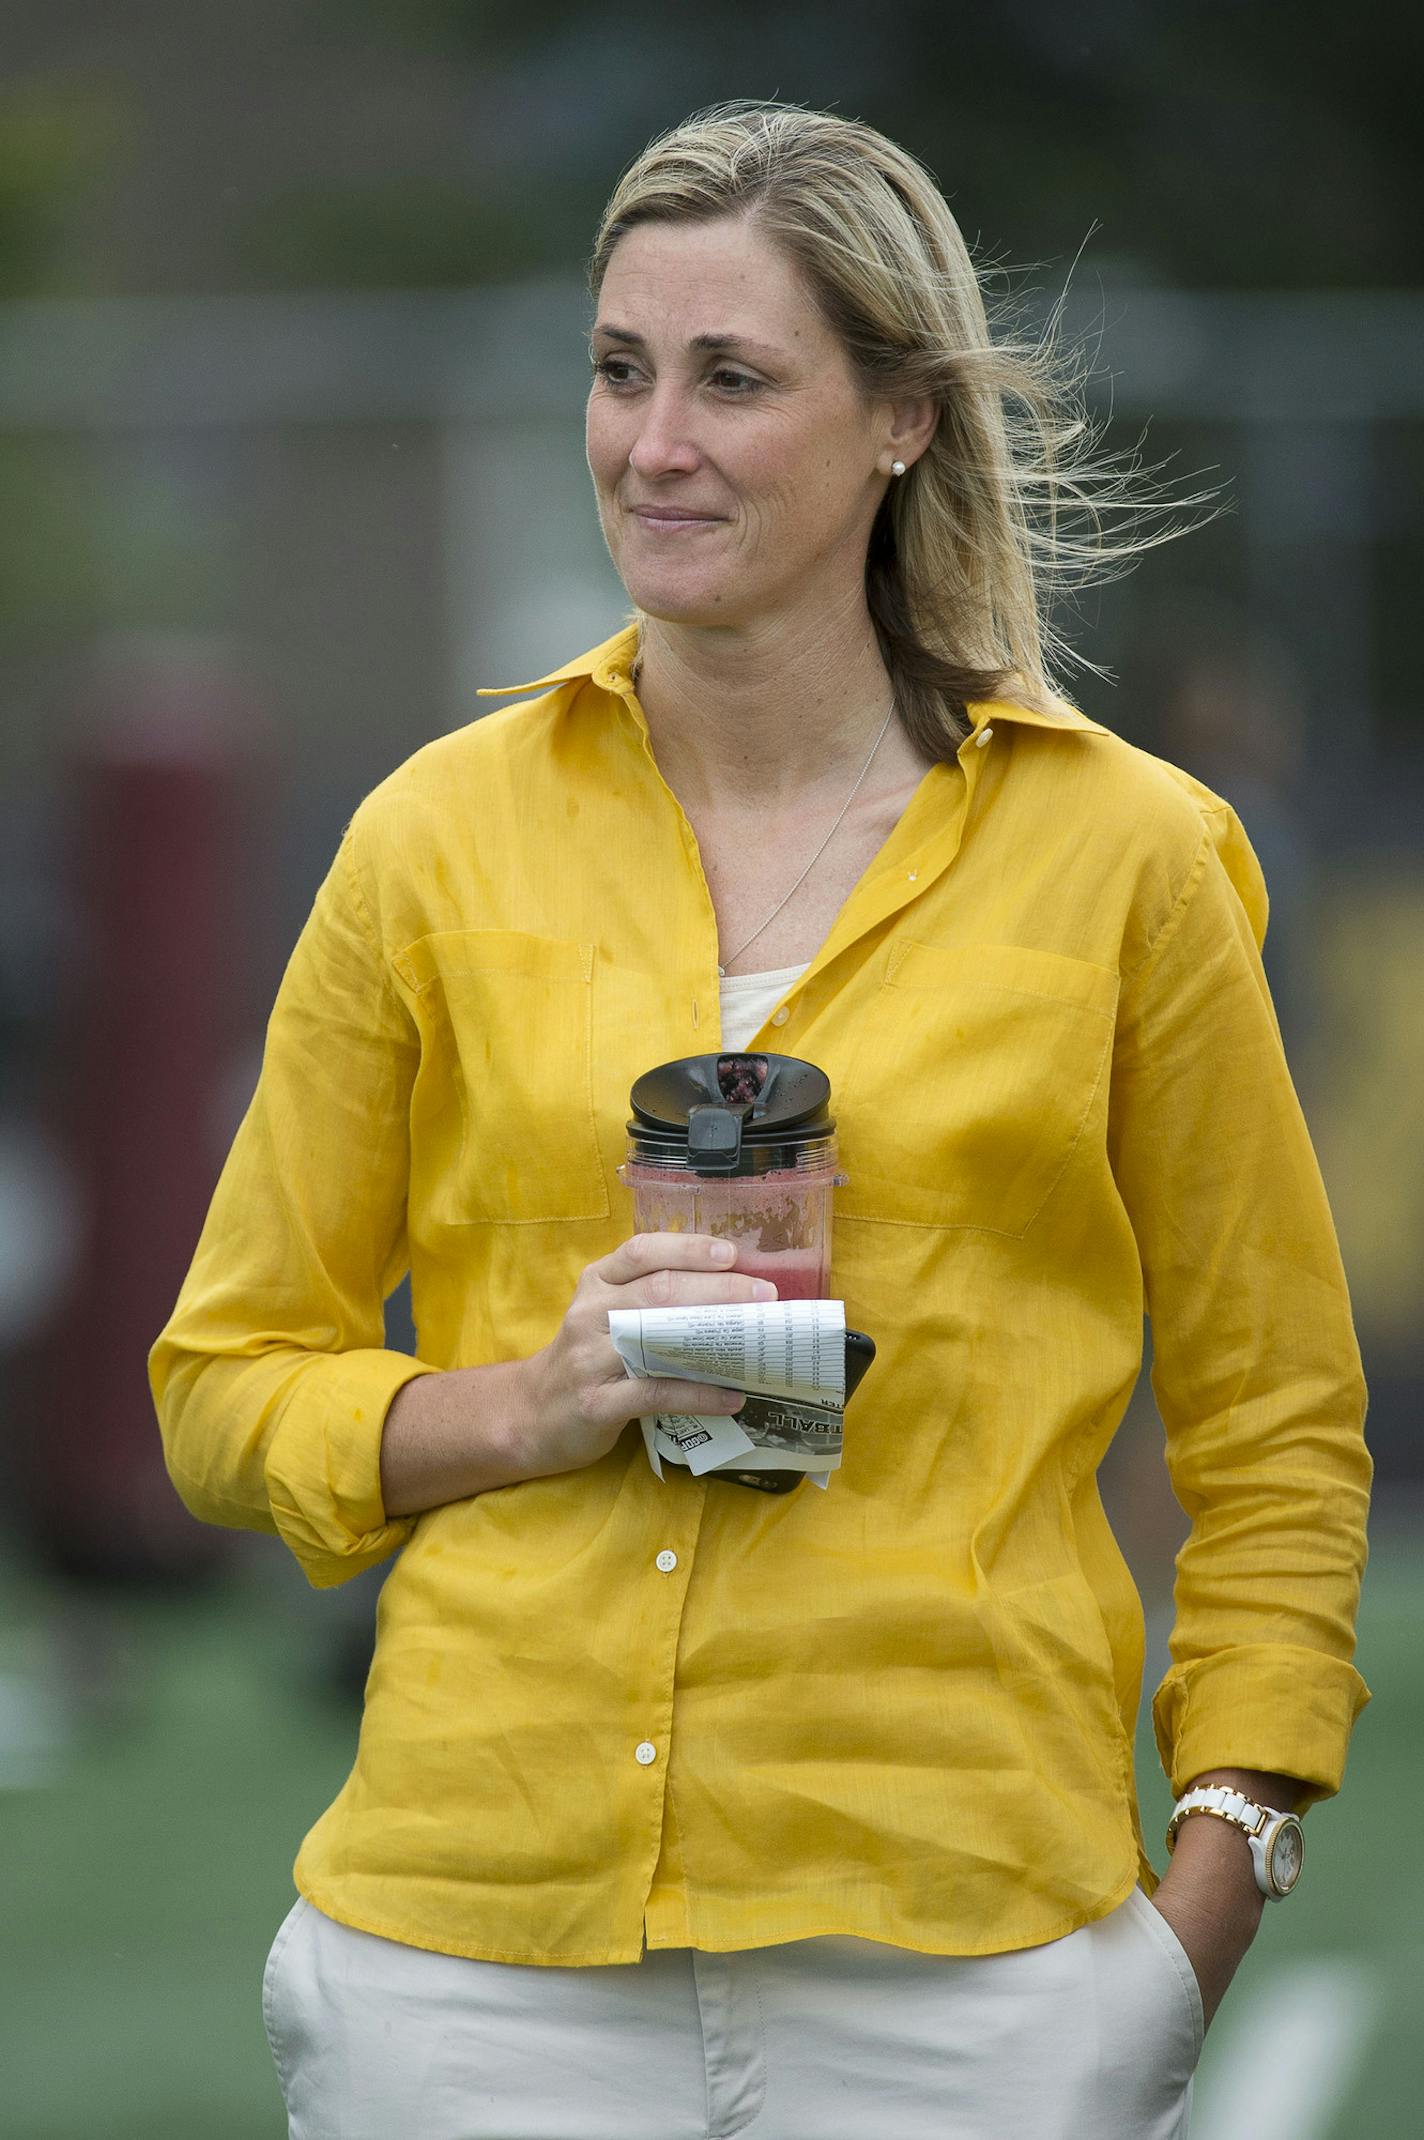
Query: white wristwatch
x=1276 y=1839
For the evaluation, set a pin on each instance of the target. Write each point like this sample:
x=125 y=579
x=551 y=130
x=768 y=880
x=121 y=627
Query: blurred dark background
x=291 y=380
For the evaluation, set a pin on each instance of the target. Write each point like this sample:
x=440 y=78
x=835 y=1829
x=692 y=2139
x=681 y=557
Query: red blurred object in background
x=164 y=755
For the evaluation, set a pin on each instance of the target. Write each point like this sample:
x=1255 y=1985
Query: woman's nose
x=664 y=444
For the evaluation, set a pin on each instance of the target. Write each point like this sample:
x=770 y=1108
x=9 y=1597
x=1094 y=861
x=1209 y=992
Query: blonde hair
x=1011 y=506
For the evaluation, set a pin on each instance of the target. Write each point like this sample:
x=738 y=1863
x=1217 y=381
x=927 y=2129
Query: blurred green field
x=143 y=1883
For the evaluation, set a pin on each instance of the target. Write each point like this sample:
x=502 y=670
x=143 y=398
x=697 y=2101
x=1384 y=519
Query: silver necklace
x=731 y=955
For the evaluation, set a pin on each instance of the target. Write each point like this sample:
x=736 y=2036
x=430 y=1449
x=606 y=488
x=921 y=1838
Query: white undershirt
x=748 y=999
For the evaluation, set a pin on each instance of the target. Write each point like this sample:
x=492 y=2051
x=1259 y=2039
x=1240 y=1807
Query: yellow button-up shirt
x=603 y=1706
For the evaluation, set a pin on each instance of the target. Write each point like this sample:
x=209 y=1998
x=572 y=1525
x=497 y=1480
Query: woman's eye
x=614 y=371
x=620 y=371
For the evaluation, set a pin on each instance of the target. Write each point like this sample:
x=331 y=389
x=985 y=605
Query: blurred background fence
x=291 y=380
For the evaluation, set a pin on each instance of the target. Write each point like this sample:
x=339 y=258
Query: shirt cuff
x=1273 y=1707
x=323 y=1468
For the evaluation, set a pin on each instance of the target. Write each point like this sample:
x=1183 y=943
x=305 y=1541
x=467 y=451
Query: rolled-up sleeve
x=271 y=1379
x=1256 y=1368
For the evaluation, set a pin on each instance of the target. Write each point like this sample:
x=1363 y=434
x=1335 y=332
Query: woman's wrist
x=1211 y=1858
x=1211 y=1864
x=1264 y=1788
x=451 y=1435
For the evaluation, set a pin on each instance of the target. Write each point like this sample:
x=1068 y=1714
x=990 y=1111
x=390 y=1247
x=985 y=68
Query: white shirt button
x=779 y=1017
x=645 y=1752
x=667 y=1560
x=982 y=738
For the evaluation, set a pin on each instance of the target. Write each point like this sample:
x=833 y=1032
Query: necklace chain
x=765 y=925
x=762 y=926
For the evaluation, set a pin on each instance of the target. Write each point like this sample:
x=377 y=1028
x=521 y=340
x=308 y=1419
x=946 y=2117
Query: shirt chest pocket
x=502 y=1124
x=972 y=1084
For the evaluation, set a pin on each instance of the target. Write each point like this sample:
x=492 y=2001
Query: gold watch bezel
x=1291 y=1822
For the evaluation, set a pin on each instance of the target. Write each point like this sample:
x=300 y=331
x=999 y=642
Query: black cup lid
x=706 y=1109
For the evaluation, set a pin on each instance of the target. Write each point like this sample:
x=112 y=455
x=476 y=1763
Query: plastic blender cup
x=743 y=1146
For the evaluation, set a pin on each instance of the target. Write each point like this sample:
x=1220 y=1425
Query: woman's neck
x=770 y=714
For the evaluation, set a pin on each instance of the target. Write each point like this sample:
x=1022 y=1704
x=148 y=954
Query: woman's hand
x=470 y=1429
x=577 y=1396
x=1210 y=1899
x=1208 y=1894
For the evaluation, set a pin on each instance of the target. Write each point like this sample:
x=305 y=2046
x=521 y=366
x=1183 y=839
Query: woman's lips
x=668 y=522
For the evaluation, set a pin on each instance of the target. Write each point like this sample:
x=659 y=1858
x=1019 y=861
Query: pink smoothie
x=796 y=1274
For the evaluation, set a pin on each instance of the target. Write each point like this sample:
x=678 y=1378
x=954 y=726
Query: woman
x=677 y=1809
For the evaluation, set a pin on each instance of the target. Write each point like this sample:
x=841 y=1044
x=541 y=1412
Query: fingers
x=649 y=1252
x=674 y=1270
x=656 y=1394
x=689 y=1289
x=659 y=1270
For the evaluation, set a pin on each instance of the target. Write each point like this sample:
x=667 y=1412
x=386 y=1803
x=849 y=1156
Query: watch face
x=1287 y=1856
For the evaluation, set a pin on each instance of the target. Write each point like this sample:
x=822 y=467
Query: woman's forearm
x=1281 y=1793
x=451 y=1435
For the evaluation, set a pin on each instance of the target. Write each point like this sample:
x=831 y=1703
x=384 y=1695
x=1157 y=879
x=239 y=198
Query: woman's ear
x=912 y=426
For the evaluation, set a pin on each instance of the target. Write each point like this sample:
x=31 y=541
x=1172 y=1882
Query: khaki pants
x=1092 y=2037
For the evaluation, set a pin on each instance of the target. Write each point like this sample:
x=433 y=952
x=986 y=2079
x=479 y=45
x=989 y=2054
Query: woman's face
x=737 y=466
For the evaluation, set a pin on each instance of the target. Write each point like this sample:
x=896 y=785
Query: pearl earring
x=897 y=468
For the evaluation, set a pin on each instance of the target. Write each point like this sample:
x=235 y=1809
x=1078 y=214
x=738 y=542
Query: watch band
x=1276 y=1840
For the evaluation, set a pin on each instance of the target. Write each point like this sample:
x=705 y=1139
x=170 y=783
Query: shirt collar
x=610 y=664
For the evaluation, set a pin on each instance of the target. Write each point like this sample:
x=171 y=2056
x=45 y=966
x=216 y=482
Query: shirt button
x=982 y=738
x=667 y=1560
x=779 y=1017
x=645 y=1752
